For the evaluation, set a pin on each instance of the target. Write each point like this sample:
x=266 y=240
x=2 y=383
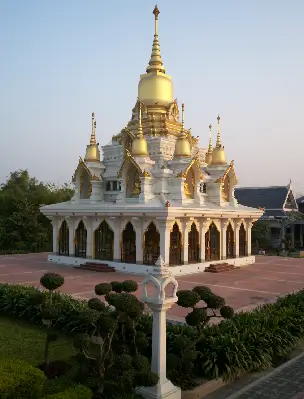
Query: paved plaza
x=243 y=288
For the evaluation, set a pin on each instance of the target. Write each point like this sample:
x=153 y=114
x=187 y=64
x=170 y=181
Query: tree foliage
x=22 y=226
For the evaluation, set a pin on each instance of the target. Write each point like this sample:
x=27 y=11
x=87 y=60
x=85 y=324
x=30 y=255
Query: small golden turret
x=92 y=151
x=208 y=158
x=218 y=154
x=182 y=146
x=139 y=145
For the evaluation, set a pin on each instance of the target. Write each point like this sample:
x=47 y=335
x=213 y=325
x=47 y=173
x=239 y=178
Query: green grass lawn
x=22 y=341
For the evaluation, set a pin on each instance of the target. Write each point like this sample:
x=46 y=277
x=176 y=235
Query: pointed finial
x=155 y=63
x=218 y=136
x=210 y=148
x=93 y=135
x=183 y=117
x=140 y=130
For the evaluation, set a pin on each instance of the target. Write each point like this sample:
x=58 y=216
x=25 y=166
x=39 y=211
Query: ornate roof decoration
x=145 y=174
x=229 y=168
x=95 y=178
x=128 y=158
x=194 y=161
x=82 y=165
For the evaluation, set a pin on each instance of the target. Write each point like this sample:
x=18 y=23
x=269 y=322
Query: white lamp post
x=159 y=303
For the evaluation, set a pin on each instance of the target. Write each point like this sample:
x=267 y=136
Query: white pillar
x=159 y=304
x=248 y=237
x=237 y=227
x=139 y=243
x=224 y=224
x=164 y=247
x=185 y=238
x=71 y=224
x=56 y=227
x=88 y=225
x=116 y=223
x=96 y=194
x=204 y=226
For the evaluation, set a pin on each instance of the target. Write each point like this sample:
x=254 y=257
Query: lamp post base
x=163 y=390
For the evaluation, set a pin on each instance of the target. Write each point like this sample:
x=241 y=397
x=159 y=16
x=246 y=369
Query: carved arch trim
x=229 y=171
x=128 y=158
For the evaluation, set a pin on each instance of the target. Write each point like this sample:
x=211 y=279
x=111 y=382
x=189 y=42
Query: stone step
x=220 y=267
x=96 y=267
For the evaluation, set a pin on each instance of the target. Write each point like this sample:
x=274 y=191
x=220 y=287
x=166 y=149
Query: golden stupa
x=139 y=144
x=182 y=146
x=92 y=151
x=218 y=153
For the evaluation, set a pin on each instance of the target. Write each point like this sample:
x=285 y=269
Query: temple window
x=204 y=188
x=108 y=186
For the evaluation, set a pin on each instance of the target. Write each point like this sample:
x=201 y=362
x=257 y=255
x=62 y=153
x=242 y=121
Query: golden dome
x=208 y=158
x=139 y=144
x=218 y=156
x=155 y=86
x=92 y=151
x=182 y=146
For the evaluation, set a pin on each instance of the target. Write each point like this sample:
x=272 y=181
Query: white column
x=204 y=225
x=116 y=223
x=139 y=243
x=159 y=304
x=224 y=224
x=96 y=194
x=185 y=237
x=56 y=226
x=71 y=224
x=248 y=237
x=88 y=225
x=164 y=230
x=237 y=227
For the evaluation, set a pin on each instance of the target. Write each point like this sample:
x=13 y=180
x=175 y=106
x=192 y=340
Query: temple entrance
x=193 y=244
x=212 y=243
x=175 y=255
x=242 y=241
x=229 y=242
x=81 y=241
x=151 y=245
x=104 y=242
x=128 y=248
x=63 y=239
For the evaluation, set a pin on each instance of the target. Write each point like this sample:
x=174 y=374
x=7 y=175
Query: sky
x=62 y=60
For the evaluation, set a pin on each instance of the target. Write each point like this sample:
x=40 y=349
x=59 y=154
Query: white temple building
x=154 y=192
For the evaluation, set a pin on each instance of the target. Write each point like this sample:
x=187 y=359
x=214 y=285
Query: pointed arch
x=63 y=239
x=229 y=242
x=212 y=243
x=242 y=240
x=104 y=242
x=128 y=244
x=151 y=244
x=175 y=256
x=193 y=244
x=80 y=241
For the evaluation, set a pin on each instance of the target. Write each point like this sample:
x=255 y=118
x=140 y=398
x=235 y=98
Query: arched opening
x=85 y=186
x=175 y=256
x=193 y=244
x=226 y=189
x=104 y=242
x=63 y=239
x=189 y=184
x=81 y=241
x=151 y=245
x=128 y=248
x=229 y=242
x=212 y=243
x=133 y=187
x=242 y=241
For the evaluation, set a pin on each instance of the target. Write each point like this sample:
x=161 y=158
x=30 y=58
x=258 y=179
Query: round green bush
x=215 y=302
x=96 y=304
x=20 y=380
x=78 y=392
x=117 y=286
x=227 y=312
x=126 y=302
x=110 y=298
x=123 y=362
x=196 y=317
x=203 y=291
x=51 y=281
x=106 y=324
x=141 y=363
x=103 y=289
x=129 y=286
x=89 y=316
x=187 y=298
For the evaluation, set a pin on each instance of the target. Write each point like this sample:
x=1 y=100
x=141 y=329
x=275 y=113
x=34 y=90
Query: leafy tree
x=260 y=233
x=22 y=226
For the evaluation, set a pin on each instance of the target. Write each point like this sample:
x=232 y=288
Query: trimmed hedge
x=79 y=392
x=249 y=341
x=20 y=380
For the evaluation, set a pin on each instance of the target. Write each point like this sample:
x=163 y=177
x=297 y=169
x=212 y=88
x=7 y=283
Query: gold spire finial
x=183 y=118
x=93 y=134
x=156 y=63
x=210 y=148
x=218 y=136
x=140 y=129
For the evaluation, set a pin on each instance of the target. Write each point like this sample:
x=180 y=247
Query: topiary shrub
x=115 y=364
x=77 y=392
x=20 y=380
x=49 y=313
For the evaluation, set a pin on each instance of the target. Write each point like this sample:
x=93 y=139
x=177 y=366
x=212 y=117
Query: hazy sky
x=61 y=60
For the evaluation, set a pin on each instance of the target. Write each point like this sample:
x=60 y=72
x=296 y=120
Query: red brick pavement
x=245 y=288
